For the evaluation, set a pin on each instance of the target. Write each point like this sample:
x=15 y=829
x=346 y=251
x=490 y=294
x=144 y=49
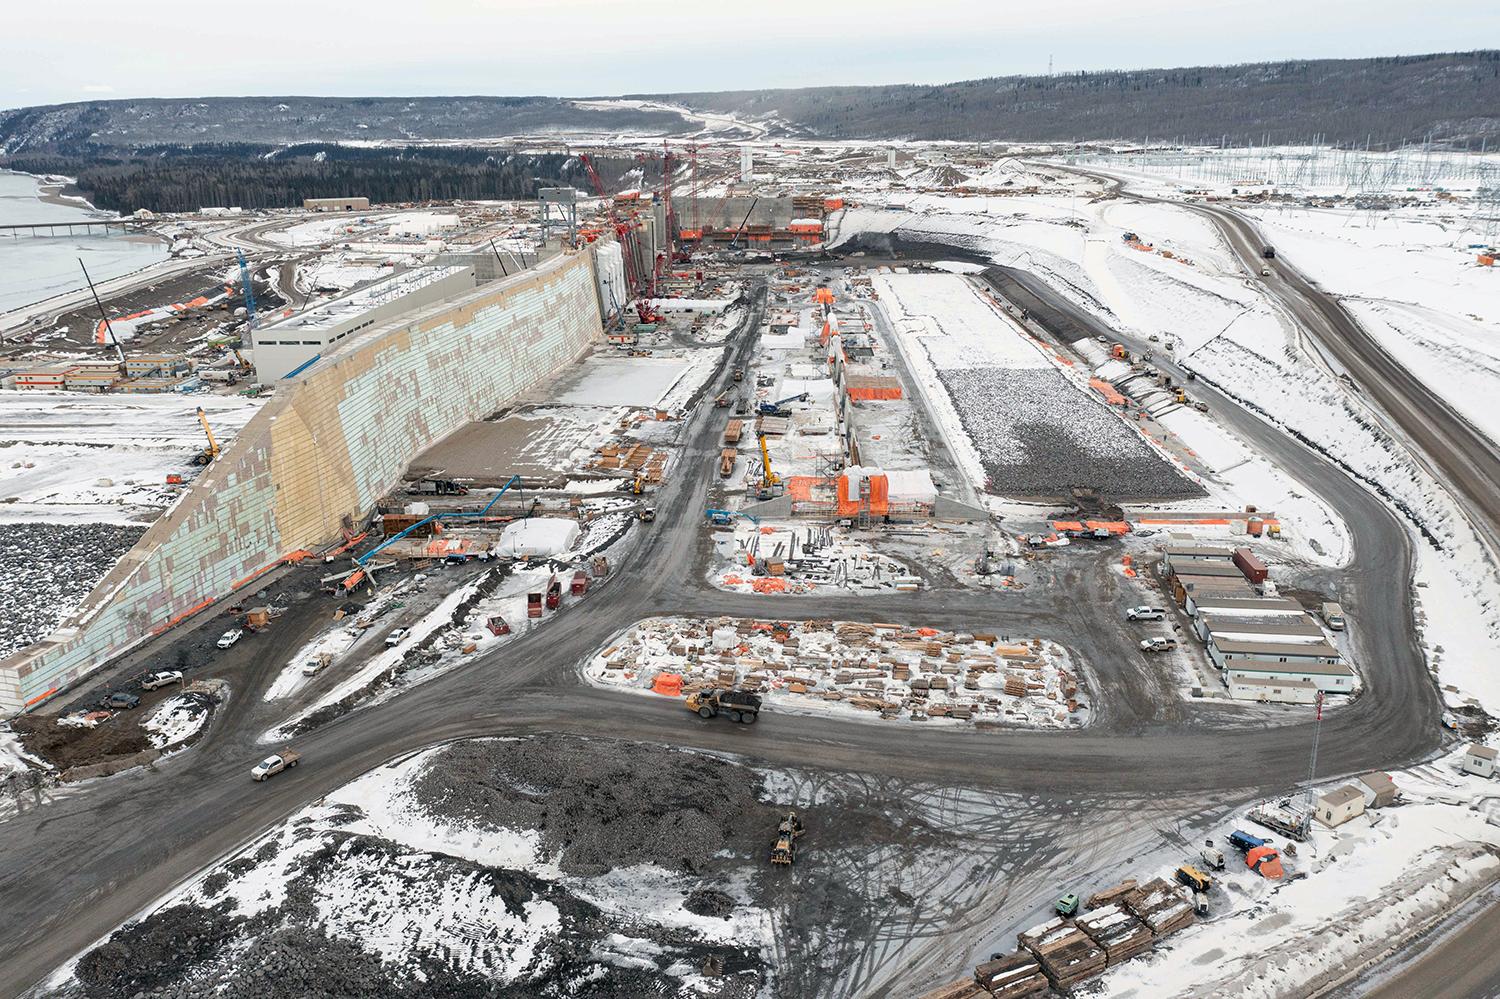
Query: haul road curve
x=74 y=869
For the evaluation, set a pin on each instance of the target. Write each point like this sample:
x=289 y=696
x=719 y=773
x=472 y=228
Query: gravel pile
x=289 y=952
x=1037 y=435
x=600 y=805
x=46 y=569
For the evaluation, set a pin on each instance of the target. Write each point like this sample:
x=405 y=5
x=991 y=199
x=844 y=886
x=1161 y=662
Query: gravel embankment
x=1038 y=436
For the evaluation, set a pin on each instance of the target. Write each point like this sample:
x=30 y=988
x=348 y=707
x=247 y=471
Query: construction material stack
x=1066 y=954
x=1121 y=934
x=1011 y=977
x=1162 y=906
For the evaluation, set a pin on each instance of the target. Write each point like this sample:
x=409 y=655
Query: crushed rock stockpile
x=1038 y=436
x=329 y=905
x=46 y=569
x=599 y=809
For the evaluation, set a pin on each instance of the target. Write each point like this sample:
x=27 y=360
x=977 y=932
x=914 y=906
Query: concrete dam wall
x=318 y=456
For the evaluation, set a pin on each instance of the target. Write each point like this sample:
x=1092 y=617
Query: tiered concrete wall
x=318 y=456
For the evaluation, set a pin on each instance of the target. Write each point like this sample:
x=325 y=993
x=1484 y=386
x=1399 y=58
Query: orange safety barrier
x=667 y=684
x=868 y=394
x=1117 y=527
x=1067 y=525
x=880 y=495
x=1110 y=393
x=800 y=487
x=42 y=696
x=769 y=584
x=732 y=581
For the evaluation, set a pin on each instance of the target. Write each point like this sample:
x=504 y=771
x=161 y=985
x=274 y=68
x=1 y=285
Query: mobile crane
x=770 y=482
x=209 y=454
x=775 y=408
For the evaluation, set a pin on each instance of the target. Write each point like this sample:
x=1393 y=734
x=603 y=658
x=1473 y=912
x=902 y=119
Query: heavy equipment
x=722 y=518
x=784 y=847
x=775 y=408
x=770 y=482
x=741 y=706
x=250 y=320
x=208 y=454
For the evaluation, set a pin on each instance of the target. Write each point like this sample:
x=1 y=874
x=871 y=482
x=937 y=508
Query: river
x=34 y=268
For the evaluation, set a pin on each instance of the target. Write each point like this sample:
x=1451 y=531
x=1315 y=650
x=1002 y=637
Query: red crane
x=629 y=246
x=624 y=231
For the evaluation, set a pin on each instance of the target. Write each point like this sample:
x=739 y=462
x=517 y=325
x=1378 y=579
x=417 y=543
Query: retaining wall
x=319 y=454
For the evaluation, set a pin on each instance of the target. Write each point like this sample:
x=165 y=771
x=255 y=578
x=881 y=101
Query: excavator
x=210 y=453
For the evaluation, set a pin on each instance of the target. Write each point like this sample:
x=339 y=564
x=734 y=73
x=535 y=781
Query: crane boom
x=249 y=291
x=211 y=453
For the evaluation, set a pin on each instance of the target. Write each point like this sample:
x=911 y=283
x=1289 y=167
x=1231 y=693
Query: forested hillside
x=177 y=178
x=1453 y=97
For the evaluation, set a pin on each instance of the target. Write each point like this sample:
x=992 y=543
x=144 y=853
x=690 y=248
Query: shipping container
x=1253 y=568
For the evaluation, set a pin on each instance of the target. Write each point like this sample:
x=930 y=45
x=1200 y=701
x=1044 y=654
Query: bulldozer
x=784 y=849
x=741 y=706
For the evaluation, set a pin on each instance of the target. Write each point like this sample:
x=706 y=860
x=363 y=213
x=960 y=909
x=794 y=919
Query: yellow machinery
x=770 y=482
x=208 y=454
x=784 y=848
x=244 y=364
x=639 y=485
x=1181 y=397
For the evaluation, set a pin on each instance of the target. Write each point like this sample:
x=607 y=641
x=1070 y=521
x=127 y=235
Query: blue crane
x=249 y=291
x=363 y=561
x=774 y=408
x=724 y=517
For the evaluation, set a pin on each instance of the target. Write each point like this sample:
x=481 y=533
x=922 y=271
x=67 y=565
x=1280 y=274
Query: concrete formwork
x=318 y=455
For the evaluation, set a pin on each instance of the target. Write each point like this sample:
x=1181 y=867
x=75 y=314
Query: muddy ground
x=600 y=807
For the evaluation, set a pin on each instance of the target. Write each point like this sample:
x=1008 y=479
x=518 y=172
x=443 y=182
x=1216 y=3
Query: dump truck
x=741 y=706
x=784 y=847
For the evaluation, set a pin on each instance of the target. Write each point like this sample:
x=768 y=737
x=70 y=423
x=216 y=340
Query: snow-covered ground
x=177 y=719
x=609 y=380
x=1351 y=892
x=1024 y=427
x=851 y=670
x=1228 y=331
x=818 y=560
x=377 y=869
x=65 y=455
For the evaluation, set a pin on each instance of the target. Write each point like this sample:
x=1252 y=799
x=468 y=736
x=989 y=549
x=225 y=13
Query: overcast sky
x=85 y=49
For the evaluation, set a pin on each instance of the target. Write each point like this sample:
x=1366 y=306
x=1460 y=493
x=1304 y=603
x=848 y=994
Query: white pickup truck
x=273 y=765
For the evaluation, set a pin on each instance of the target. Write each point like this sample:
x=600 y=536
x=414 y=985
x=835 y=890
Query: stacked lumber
x=1161 y=906
x=1011 y=976
x=961 y=989
x=1067 y=955
x=1108 y=896
x=1120 y=934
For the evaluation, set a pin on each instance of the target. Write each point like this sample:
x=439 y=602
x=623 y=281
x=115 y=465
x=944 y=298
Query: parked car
x=229 y=637
x=394 y=638
x=161 y=679
x=121 y=699
x=1158 y=643
x=1145 y=613
x=274 y=764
